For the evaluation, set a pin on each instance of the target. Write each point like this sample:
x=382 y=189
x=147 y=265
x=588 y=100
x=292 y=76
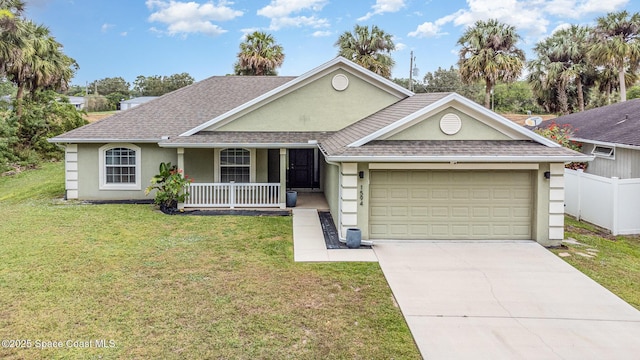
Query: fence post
x=232 y=194
x=579 y=173
x=615 y=190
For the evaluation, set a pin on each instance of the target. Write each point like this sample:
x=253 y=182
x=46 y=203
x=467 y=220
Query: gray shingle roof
x=617 y=123
x=337 y=143
x=178 y=111
x=450 y=150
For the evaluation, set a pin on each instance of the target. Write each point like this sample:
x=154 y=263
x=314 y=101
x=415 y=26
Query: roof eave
x=100 y=140
x=462 y=159
x=239 y=145
x=606 y=143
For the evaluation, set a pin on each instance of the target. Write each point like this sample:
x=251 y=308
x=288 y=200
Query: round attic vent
x=340 y=82
x=450 y=124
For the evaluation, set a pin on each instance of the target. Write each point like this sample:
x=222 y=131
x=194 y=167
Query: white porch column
x=348 y=197
x=283 y=178
x=71 y=171
x=556 y=203
x=181 y=167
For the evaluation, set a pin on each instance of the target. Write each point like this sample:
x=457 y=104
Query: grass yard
x=185 y=287
x=615 y=263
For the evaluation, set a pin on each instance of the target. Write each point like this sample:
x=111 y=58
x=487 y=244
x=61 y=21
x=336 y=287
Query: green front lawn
x=183 y=287
x=612 y=261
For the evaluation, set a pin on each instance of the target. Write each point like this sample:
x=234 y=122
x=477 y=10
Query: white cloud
x=105 y=27
x=322 y=33
x=284 y=8
x=280 y=12
x=560 y=27
x=124 y=33
x=191 y=17
x=425 y=30
x=298 y=21
x=599 y=6
x=433 y=29
x=383 y=6
x=400 y=46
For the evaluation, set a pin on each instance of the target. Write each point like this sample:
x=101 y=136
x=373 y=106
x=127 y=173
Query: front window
x=235 y=165
x=119 y=167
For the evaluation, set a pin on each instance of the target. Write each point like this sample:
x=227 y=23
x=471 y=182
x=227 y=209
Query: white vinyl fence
x=611 y=203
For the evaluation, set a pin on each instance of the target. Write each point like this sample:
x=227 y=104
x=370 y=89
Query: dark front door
x=301 y=168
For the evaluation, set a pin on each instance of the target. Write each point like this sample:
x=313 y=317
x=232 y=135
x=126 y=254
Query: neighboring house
x=608 y=192
x=131 y=103
x=395 y=164
x=77 y=101
x=612 y=134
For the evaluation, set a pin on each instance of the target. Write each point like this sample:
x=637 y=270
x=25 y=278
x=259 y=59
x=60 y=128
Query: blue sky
x=127 y=38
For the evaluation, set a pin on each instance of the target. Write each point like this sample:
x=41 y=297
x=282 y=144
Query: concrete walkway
x=497 y=300
x=309 y=245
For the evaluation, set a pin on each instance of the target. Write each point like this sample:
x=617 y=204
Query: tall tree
x=489 y=53
x=108 y=86
x=157 y=85
x=369 y=48
x=561 y=61
x=259 y=55
x=38 y=62
x=445 y=80
x=617 y=45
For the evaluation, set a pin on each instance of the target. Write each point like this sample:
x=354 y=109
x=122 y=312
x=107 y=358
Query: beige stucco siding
x=330 y=174
x=317 y=106
x=198 y=164
x=88 y=169
x=429 y=129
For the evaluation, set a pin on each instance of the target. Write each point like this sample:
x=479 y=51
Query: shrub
x=170 y=186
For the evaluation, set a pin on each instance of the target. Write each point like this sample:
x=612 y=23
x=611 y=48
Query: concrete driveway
x=505 y=300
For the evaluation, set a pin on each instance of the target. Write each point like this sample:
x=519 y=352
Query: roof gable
x=430 y=128
x=338 y=63
x=501 y=125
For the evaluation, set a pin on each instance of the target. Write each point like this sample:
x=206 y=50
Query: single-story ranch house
x=395 y=164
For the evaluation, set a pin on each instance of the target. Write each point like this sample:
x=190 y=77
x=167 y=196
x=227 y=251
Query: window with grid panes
x=120 y=166
x=235 y=165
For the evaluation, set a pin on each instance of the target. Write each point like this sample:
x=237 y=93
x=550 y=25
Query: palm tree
x=561 y=61
x=489 y=53
x=259 y=55
x=617 y=45
x=370 y=49
x=38 y=63
x=10 y=13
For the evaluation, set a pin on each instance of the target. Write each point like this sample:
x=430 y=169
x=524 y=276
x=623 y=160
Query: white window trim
x=102 y=173
x=252 y=165
x=611 y=155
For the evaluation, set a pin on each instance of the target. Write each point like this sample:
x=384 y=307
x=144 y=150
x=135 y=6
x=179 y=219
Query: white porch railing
x=233 y=195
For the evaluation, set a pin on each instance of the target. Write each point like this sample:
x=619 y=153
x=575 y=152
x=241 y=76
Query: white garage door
x=428 y=204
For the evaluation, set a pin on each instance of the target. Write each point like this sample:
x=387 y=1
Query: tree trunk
x=580 y=93
x=563 y=99
x=487 y=93
x=19 y=97
x=623 y=85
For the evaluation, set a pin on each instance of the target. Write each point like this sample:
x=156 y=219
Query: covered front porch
x=250 y=177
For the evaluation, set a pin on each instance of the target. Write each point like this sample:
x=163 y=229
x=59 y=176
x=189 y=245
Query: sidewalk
x=309 y=245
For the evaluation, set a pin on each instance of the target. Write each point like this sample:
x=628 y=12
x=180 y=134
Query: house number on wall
x=361 y=196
